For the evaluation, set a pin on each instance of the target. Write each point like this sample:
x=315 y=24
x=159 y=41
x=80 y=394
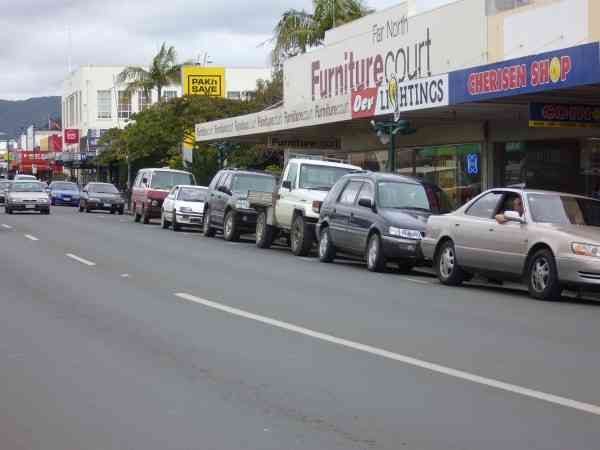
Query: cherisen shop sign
x=559 y=69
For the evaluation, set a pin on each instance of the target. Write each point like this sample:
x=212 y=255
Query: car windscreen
x=166 y=179
x=102 y=189
x=320 y=178
x=260 y=183
x=564 y=209
x=192 y=195
x=24 y=186
x=399 y=195
x=64 y=187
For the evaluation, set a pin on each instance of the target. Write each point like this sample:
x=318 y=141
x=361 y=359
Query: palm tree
x=297 y=31
x=163 y=71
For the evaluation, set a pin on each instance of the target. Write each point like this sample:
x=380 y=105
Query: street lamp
x=386 y=132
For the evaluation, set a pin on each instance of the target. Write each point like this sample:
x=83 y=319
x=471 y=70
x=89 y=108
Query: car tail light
x=316 y=206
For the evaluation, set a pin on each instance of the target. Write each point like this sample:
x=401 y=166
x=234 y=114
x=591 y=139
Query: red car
x=150 y=188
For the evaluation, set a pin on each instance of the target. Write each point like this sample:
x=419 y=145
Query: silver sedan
x=548 y=240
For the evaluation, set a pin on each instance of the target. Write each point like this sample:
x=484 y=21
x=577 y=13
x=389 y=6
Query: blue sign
x=473 y=163
x=568 y=67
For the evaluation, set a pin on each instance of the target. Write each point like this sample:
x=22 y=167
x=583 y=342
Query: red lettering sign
x=71 y=136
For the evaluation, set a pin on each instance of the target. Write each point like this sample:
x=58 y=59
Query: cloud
x=35 y=42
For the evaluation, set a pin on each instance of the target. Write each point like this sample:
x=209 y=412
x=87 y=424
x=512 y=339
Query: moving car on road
x=184 y=207
x=379 y=216
x=150 y=188
x=548 y=240
x=64 y=193
x=4 y=185
x=101 y=196
x=294 y=210
x=27 y=196
x=227 y=207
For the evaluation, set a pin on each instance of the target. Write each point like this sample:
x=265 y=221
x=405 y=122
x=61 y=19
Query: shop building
x=497 y=93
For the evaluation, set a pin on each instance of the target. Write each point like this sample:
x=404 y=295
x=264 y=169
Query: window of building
x=496 y=6
x=104 y=104
x=234 y=95
x=143 y=100
x=124 y=105
x=169 y=94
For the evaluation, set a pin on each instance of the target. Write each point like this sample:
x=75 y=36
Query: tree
x=163 y=71
x=270 y=92
x=298 y=30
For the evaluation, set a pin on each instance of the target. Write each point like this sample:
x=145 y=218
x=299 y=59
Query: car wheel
x=145 y=215
x=88 y=209
x=230 y=229
x=404 y=267
x=80 y=206
x=121 y=211
x=46 y=212
x=7 y=210
x=53 y=202
x=326 y=248
x=207 y=230
x=302 y=239
x=448 y=270
x=176 y=226
x=264 y=232
x=113 y=211
x=136 y=216
x=543 y=278
x=375 y=258
x=163 y=222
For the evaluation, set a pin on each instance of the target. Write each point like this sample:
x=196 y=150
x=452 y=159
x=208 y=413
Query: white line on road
x=8 y=227
x=31 y=238
x=415 y=280
x=81 y=260
x=513 y=388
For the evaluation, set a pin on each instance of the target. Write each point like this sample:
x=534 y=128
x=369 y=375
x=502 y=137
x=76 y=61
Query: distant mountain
x=18 y=114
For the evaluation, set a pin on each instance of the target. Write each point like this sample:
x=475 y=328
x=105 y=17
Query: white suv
x=295 y=209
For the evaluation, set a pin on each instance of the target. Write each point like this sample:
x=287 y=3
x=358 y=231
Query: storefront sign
x=559 y=69
x=208 y=81
x=71 y=136
x=395 y=98
x=299 y=144
x=560 y=115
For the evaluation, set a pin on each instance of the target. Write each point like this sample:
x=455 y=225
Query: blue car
x=64 y=193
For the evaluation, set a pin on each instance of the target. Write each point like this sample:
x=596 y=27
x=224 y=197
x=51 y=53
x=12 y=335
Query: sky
x=35 y=49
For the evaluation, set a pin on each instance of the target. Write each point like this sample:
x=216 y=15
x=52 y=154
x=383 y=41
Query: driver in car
x=517 y=205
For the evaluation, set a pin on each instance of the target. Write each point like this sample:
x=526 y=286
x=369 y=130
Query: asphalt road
x=115 y=335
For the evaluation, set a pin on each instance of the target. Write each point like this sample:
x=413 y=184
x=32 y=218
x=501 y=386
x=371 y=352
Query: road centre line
x=512 y=388
x=79 y=259
x=31 y=238
x=8 y=227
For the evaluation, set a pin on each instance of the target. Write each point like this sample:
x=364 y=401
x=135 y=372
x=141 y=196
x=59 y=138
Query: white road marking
x=31 y=238
x=306 y=258
x=124 y=275
x=415 y=280
x=8 y=227
x=513 y=388
x=81 y=260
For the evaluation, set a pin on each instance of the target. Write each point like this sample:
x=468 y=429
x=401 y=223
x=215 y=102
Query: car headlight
x=43 y=200
x=242 y=204
x=154 y=202
x=185 y=209
x=585 y=249
x=405 y=233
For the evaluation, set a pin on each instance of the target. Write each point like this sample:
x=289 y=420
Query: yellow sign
x=209 y=81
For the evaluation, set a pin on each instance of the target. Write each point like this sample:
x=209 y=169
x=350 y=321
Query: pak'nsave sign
x=208 y=81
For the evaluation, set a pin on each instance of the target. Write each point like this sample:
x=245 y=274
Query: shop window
x=375 y=161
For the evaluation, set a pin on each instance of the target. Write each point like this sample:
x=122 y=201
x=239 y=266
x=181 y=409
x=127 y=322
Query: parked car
x=22 y=176
x=150 y=188
x=26 y=195
x=294 y=210
x=101 y=196
x=64 y=193
x=548 y=240
x=378 y=216
x=184 y=207
x=227 y=207
x=4 y=186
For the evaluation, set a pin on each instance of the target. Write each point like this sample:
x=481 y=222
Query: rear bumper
x=103 y=207
x=404 y=249
x=246 y=219
x=579 y=271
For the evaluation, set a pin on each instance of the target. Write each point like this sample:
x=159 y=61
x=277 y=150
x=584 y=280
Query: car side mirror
x=145 y=181
x=513 y=216
x=224 y=190
x=287 y=184
x=366 y=202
